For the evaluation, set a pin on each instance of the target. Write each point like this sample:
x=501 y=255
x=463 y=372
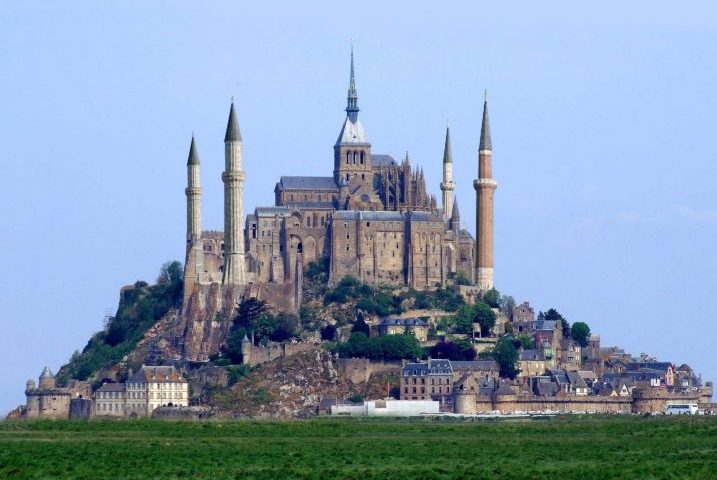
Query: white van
x=681 y=409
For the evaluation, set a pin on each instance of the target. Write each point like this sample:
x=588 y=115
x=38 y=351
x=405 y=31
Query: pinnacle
x=193 y=155
x=233 y=134
x=485 y=141
x=447 y=155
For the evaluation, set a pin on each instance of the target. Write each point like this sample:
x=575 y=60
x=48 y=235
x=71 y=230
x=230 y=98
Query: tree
x=361 y=326
x=484 y=316
x=464 y=319
x=507 y=303
x=170 y=273
x=455 y=350
x=553 y=314
x=249 y=310
x=328 y=333
x=263 y=326
x=580 y=332
x=285 y=326
x=492 y=298
x=506 y=355
x=525 y=341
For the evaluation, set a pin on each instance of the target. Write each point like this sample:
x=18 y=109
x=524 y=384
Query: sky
x=602 y=120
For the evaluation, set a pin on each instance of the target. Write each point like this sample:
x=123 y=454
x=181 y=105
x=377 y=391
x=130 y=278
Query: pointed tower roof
x=352 y=97
x=245 y=339
x=46 y=373
x=447 y=155
x=455 y=214
x=233 y=134
x=485 y=142
x=193 y=155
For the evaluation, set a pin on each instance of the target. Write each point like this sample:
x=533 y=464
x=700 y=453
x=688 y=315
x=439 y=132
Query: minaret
x=194 y=262
x=447 y=185
x=194 y=195
x=485 y=188
x=233 y=178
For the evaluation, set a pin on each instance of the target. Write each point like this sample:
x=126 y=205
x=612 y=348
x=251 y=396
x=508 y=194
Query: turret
x=246 y=350
x=485 y=187
x=233 y=178
x=47 y=379
x=447 y=186
x=455 y=222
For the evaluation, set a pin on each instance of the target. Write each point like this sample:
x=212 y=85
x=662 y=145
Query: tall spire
x=193 y=155
x=485 y=142
x=352 y=97
x=447 y=155
x=233 y=134
x=455 y=214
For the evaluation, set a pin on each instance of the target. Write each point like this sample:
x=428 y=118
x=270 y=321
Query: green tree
x=506 y=355
x=328 y=332
x=263 y=326
x=492 y=298
x=361 y=326
x=580 y=332
x=484 y=316
x=249 y=310
x=553 y=314
x=285 y=326
x=232 y=346
x=463 y=319
x=525 y=341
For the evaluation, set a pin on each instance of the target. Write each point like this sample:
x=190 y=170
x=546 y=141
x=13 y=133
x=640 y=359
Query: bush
x=389 y=347
x=285 y=327
x=455 y=350
x=361 y=326
x=328 y=333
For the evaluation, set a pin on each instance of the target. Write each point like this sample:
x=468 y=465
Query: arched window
x=361 y=158
x=355 y=157
x=347 y=157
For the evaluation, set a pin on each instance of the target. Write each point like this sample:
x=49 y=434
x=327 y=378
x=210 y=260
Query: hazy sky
x=603 y=125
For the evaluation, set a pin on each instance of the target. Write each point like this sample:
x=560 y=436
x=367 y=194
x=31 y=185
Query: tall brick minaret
x=485 y=188
x=447 y=185
x=194 y=263
x=233 y=178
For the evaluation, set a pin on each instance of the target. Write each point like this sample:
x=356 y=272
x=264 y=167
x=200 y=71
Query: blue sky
x=603 y=133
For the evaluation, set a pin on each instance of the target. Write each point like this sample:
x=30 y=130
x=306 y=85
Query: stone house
x=531 y=363
x=110 y=400
x=398 y=326
x=152 y=387
x=430 y=380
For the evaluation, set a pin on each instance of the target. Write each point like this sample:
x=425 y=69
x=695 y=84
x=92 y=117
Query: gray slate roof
x=310 y=205
x=535 y=355
x=112 y=387
x=412 y=322
x=447 y=156
x=382 y=160
x=352 y=132
x=431 y=367
x=368 y=215
x=474 y=365
x=308 y=183
x=271 y=211
x=485 y=141
x=46 y=373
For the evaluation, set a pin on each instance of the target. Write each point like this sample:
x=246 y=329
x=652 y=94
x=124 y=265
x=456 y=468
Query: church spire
x=352 y=97
x=193 y=155
x=485 y=142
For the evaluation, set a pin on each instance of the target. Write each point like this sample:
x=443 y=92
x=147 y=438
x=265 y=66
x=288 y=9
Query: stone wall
x=262 y=354
x=359 y=370
x=477 y=404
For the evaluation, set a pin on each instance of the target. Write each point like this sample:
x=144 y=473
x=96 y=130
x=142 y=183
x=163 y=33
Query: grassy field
x=563 y=448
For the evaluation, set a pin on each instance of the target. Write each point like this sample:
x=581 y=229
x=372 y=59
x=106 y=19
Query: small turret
x=455 y=216
x=246 y=350
x=47 y=379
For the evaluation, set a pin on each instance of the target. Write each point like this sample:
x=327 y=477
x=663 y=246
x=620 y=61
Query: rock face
x=205 y=320
x=288 y=387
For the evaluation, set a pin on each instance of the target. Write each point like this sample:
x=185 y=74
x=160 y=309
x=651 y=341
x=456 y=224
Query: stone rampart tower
x=447 y=185
x=233 y=178
x=485 y=187
x=194 y=265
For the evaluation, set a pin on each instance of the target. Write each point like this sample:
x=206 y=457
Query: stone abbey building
x=373 y=218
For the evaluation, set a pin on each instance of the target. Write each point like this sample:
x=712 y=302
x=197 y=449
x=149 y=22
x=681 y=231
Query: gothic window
x=355 y=157
x=347 y=176
x=361 y=158
x=368 y=224
x=347 y=236
x=362 y=176
x=347 y=157
x=347 y=248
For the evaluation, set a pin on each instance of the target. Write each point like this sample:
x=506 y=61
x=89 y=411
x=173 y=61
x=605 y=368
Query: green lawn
x=562 y=448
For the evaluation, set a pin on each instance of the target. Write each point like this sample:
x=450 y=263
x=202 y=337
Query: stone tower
x=485 y=188
x=246 y=350
x=447 y=185
x=193 y=265
x=352 y=152
x=233 y=178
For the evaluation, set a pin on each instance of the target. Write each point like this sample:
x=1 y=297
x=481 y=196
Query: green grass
x=563 y=448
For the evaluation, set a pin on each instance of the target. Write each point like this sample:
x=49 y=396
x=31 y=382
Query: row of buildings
x=139 y=396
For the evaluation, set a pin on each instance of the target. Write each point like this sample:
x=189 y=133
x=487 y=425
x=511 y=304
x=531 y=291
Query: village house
x=110 y=400
x=418 y=327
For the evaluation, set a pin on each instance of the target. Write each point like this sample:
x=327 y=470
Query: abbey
x=373 y=219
